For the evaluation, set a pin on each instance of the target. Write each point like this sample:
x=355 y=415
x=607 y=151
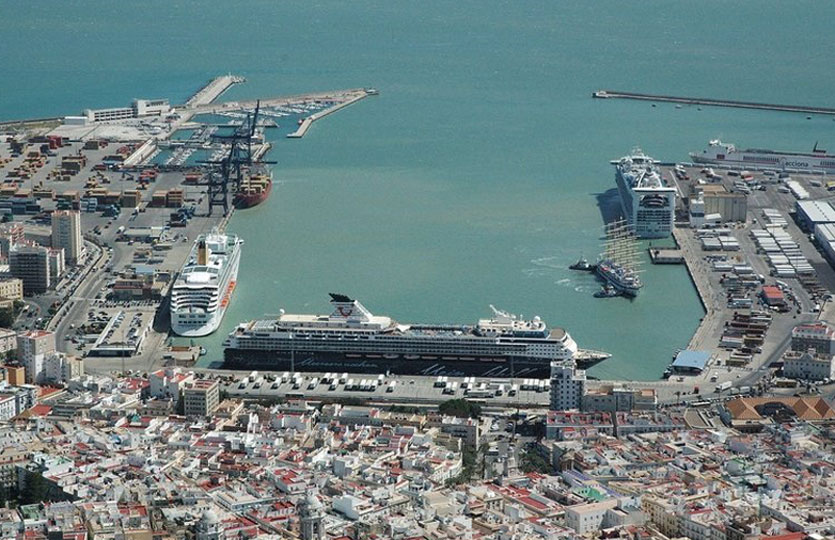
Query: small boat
x=203 y=351
x=581 y=264
x=607 y=292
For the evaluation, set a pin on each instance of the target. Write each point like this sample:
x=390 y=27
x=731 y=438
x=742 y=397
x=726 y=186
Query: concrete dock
x=666 y=256
x=213 y=90
x=614 y=94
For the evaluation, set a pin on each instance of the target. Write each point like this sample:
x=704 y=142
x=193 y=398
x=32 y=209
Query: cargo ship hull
x=399 y=364
x=248 y=200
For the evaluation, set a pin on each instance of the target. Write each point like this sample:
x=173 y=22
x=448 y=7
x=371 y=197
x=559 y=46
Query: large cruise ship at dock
x=352 y=339
x=648 y=203
x=204 y=287
x=718 y=152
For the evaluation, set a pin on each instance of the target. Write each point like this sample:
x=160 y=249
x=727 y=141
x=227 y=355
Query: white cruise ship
x=648 y=203
x=352 y=339
x=718 y=152
x=203 y=289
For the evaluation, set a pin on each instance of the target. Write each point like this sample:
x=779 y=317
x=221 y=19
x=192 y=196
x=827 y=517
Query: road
x=79 y=302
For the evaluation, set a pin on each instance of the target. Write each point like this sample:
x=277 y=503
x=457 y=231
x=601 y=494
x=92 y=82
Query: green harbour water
x=479 y=172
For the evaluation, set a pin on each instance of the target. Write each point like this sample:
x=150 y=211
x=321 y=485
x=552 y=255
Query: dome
x=209 y=517
x=311 y=502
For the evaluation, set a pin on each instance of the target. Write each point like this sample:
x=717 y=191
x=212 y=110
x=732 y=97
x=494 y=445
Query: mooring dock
x=614 y=94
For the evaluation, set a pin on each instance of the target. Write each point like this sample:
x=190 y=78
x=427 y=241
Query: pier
x=307 y=122
x=710 y=326
x=666 y=256
x=213 y=90
x=614 y=94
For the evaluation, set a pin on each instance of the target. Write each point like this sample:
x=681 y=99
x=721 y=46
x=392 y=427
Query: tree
x=7 y=318
x=532 y=461
x=35 y=489
x=460 y=408
x=180 y=409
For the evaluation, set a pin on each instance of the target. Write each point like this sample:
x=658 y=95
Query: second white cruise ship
x=648 y=203
x=203 y=289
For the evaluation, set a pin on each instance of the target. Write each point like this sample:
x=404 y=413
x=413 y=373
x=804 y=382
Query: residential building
x=10 y=234
x=201 y=398
x=11 y=288
x=818 y=335
x=808 y=365
x=33 y=347
x=15 y=375
x=66 y=233
x=167 y=383
x=8 y=341
x=60 y=368
x=8 y=406
x=568 y=385
x=587 y=518
x=31 y=265
x=57 y=264
x=618 y=399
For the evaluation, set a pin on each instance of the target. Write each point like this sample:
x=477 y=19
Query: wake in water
x=555 y=267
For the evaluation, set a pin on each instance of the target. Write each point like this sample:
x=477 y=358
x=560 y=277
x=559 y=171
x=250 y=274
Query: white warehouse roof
x=817 y=211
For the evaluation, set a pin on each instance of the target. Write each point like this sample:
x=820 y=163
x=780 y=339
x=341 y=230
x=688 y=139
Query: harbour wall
x=213 y=90
x=607 y=94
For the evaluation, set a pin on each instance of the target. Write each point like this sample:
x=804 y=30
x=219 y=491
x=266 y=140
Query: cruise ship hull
x=212 y=324
x=203 y=315
x=398 y=364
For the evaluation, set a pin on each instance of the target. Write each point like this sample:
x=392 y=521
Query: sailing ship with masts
x=618 y=264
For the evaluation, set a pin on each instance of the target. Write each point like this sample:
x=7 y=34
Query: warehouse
x=812 y=213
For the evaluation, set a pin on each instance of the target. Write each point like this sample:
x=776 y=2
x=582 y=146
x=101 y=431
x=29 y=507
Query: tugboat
x=607 y=291
x=582 y=264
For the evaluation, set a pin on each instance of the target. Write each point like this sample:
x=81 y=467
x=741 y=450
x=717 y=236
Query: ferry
x=718 y=152
x=352 y=339
x=203 y=289
x=648 y=203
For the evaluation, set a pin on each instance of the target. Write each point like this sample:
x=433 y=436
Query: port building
x=140 y=108
x=712 y=199
x=690 y=362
